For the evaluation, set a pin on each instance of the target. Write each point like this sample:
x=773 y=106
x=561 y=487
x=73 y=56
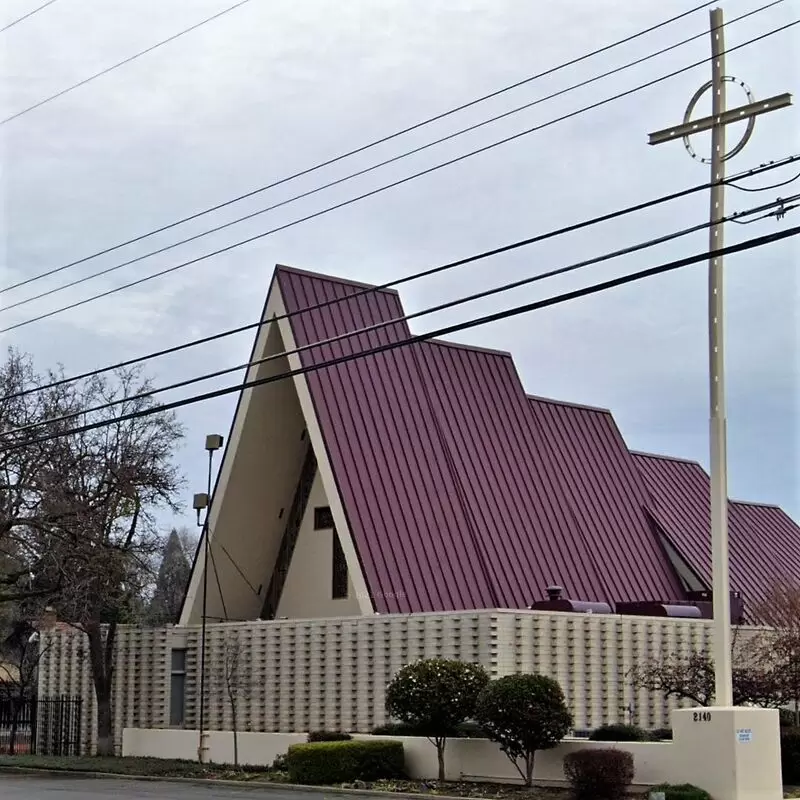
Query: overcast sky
x=276 y=86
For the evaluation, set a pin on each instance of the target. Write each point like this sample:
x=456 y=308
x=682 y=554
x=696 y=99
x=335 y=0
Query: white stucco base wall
x=255 y=749
x=467 y=759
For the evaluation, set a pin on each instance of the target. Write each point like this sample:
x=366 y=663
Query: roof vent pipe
x=554 y=592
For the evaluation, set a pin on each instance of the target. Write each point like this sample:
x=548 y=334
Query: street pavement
x=63 y=787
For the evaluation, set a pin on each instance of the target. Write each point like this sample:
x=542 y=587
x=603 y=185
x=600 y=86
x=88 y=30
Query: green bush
x=619 y=733
x=599 y=774
x=523 y=714
x=321 y=763
x=329 y=736
x=684 y=791
x=790 y=756
x=661 y=735
x=435 y=696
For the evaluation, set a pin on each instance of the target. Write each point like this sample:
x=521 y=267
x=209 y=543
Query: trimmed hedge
x=661 y=735
x=599 y=774
x=321 y=763
x=619 y=733
x=790 y=756
x=683 y=791
x=329 y=736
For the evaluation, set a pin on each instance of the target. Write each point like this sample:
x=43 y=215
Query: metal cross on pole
x=720 y=117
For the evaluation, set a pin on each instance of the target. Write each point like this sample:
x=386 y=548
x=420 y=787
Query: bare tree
x=78 y=511
x=691 y=677
x=26 y=523
x=779 y=645
x=235 y=682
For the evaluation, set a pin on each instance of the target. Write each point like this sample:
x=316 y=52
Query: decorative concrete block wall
x=300 y=675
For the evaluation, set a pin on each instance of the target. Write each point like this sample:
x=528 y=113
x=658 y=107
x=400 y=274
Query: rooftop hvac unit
x=705 y=602
x=556 y=602
x=650 y=609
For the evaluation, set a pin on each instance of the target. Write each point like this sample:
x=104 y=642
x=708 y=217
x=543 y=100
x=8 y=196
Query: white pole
x=719 y=478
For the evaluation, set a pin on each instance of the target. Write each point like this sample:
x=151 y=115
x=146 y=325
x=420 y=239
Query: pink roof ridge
x=333 y=279
x=569 y=403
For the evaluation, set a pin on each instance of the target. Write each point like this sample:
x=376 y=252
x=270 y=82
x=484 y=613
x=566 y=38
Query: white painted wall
x=307 y=591
x=466 y=759
x=255 y=749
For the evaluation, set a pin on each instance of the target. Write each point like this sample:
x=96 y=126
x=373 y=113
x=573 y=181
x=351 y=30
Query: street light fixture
x=200 y=502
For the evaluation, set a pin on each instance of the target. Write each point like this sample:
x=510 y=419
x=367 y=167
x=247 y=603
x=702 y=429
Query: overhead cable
x=375 y=143
x=41 y=8
x=108 y=270
x=430 y=271
x=415 y=315
x=399 y=182
x=123 y=62
x=669 y=266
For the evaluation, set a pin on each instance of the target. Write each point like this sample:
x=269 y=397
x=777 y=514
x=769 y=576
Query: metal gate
x=44 y=725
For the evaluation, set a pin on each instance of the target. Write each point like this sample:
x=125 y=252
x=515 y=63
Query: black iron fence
x=44 y=725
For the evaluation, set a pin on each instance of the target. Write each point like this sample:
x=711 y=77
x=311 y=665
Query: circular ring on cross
x=687 y=117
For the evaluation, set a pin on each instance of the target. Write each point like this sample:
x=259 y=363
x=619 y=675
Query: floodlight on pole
x=717 y=122
x=203 y=501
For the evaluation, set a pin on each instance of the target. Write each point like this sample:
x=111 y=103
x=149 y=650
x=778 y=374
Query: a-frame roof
x=459 y=491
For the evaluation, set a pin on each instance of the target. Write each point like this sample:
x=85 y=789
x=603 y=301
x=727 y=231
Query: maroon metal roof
x=460 y=491
x=764 y=541
x=401 y=497
x=609 y=498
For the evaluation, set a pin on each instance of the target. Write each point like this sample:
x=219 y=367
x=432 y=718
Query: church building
x=424 y=478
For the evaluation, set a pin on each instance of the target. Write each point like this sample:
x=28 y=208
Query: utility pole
x=720 y=117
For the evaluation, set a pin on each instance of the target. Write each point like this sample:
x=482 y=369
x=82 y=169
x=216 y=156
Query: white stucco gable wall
x=307 y=592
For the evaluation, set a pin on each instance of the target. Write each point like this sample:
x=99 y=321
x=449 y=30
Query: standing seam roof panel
x=388 y=374
x=456 y=428
x=758 y=555
x=602 y=469
x=500 y=441
x=322 y=386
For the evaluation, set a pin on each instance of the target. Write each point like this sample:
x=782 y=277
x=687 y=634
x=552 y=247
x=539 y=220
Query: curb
x=270 y=786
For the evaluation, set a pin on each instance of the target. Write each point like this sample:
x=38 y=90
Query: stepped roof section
x=764 y=541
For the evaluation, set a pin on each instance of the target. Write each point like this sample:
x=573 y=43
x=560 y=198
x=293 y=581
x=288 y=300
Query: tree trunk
x=101 y=660
x=12 y=739
x=440 y=745
x=105 y=738
x=529 y=763
x=235 y=737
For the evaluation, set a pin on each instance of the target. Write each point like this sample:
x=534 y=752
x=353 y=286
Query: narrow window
x=323 y=518
x=177 y=688
x=339 y=582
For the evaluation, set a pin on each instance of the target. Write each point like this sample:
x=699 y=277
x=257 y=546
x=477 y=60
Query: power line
x=437 y=334
x=766 y=188
x=123 y=62
x=380 y=189
x=351 y=176
x=41 y=8
x=377 y=142
x=407 y=317
x=416 y=275
x=344 y=179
